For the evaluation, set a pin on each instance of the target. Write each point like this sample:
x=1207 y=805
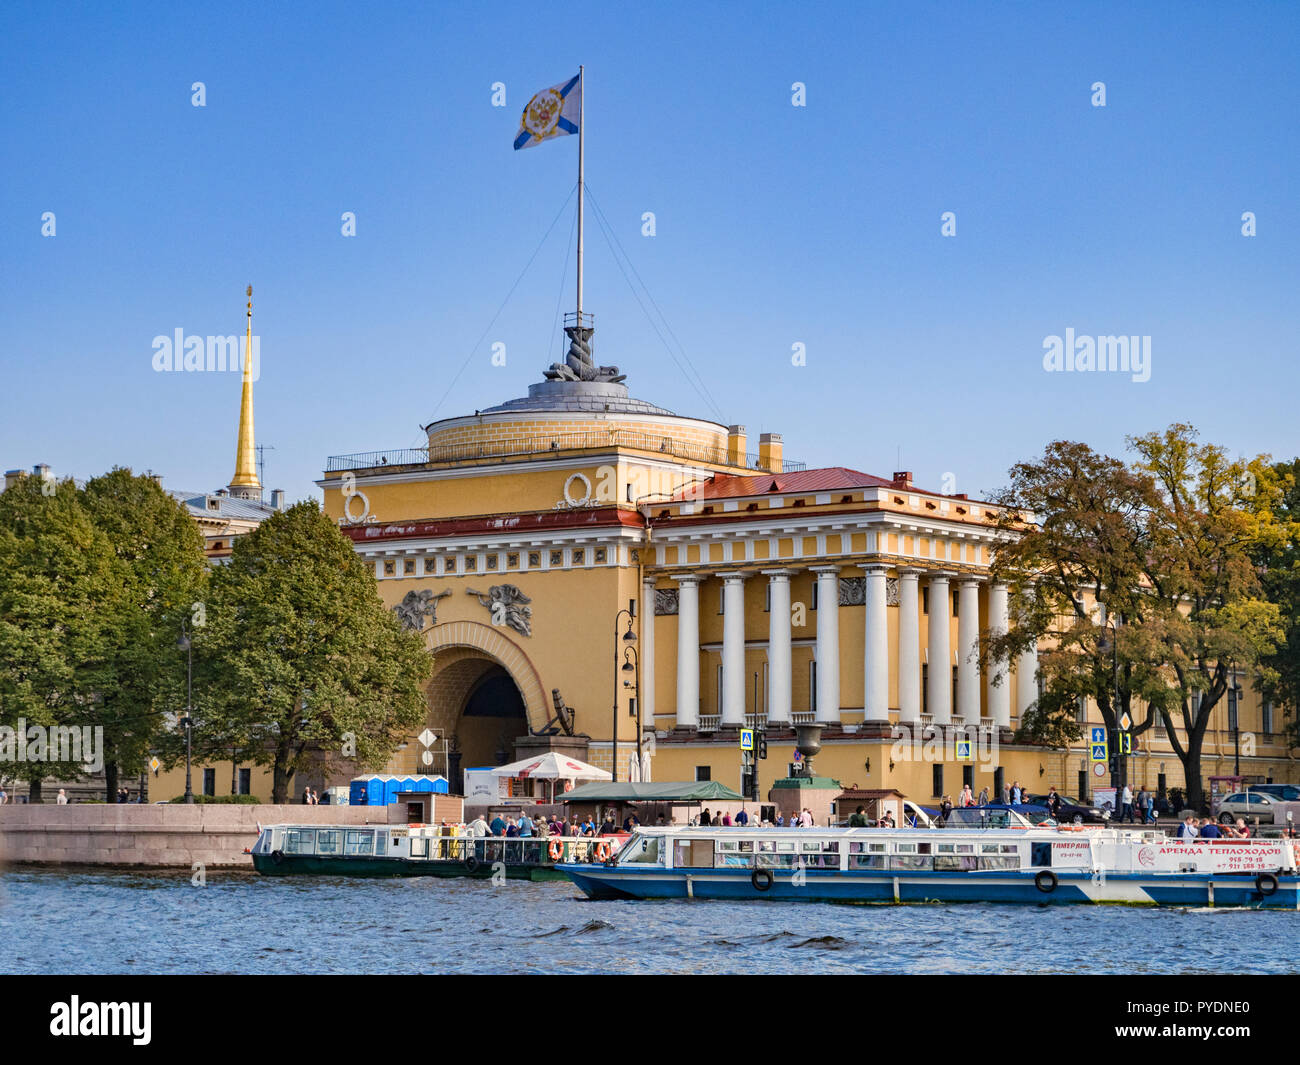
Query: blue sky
x=775 y=224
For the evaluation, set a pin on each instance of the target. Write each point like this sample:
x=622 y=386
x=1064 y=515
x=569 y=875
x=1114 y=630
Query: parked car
x=1286 y=792
x=1250 y=804
x=1073 y=810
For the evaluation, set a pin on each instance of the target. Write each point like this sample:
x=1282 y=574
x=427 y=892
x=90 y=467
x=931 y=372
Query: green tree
x=307 y=654
x=162 y=578
x=57 y=570
x=1139 y=582
x=1279 y=560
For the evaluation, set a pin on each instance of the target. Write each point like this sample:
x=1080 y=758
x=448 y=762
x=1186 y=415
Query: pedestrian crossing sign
x=747 y=739
x=963 y=750
x=1099 y=752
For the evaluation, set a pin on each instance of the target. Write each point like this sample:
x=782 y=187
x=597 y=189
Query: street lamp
x=1117 y=779
x=632 y=664
x=628 y=638
x=186 y=645
x=1234 y=719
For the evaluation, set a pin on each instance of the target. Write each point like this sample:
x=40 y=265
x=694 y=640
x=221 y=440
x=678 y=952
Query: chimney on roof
x=903 y=478
x=277 y=498
x=771 y=452
x=12 y=476
x=736 y=439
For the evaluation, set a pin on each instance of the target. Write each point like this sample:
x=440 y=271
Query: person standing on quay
x=1126 y=805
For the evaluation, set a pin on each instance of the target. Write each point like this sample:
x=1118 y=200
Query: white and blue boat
x=1067 y=864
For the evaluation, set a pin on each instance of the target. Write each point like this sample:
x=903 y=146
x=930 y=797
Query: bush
x=208 y=800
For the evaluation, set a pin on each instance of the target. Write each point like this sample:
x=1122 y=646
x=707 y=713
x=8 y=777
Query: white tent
x=552 y=766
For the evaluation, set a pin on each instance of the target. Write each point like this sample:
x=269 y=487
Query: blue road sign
x=747 y=739
x=1098 y=733
x=1099 y=752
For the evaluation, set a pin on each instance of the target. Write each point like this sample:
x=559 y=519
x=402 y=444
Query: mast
x=582 y=105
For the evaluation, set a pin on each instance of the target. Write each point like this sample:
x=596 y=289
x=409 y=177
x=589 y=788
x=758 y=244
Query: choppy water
x=122 y=922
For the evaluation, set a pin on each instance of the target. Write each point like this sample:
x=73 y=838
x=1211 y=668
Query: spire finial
x=245 y=484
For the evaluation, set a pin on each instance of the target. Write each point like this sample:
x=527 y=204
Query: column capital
x=689 y=578
x=824 y=570
x=874 y=568
x=648 y=581
x=971 y=578
x=779 y=574
x=942 y=575
x=734 y=576
x=910 y=572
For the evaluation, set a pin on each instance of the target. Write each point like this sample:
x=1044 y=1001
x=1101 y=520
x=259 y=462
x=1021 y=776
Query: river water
x=75 y=922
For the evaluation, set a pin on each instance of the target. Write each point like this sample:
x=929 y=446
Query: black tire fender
x=1266 y=883
x=762 y=879
x=471 y=864
x=1045 y=881
x=277 y=857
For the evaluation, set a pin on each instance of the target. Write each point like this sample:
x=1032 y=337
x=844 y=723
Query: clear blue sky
x=775 y=224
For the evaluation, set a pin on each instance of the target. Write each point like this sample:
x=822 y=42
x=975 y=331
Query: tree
x=162 y=576
x=306 y=653
x=56 y=572
x=1138 y=580
x=1278 y=559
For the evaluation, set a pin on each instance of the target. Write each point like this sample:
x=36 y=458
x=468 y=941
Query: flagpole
x=582 y=103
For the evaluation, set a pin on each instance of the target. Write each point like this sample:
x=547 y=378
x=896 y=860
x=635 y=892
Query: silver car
x=1250 y=804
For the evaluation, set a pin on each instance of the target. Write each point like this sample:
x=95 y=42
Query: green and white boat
x=418 y=850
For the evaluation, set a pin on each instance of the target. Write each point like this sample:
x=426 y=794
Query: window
x=925 y=688
x=300 y=841
x=492 y=560
x=471 y=563
x=767 y=599
x=359 y=842
x=968 y=776
x=925 y=600
x=329 y=840
x=693 y=854
x=512 y=560
x=812 y=685
x=954 y=604
x=813 y=600
x=534 y=558
x=408 y=567
x=600 y=556
x=1081 y=709
x=450 y=564
x=390 y=569
x=209 y=782
x=953 y=704
x=1266 y=718
x=579 y=556
x=644 y=850
x=722 y=599
x=703 y=772
x=245 y=782
x=430 y=565
x=937 y=782
x=719 y=689
x=557 y=558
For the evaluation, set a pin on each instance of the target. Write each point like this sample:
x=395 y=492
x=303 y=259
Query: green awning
x=670 y=791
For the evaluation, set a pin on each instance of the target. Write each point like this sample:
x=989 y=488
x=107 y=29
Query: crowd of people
x=543 y=826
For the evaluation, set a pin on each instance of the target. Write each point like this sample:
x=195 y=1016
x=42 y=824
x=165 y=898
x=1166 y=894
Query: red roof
x=829 y=479
x=505 y=524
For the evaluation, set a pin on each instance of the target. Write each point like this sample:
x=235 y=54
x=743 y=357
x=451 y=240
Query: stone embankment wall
x=154 y=836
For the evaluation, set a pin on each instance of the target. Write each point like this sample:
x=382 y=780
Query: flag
x=551 y=113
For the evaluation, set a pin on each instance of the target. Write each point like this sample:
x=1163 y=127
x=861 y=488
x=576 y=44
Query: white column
x=939 y=689
x=688 y=651
x=733 y=649
x=909 y=646
x=647 y=653
x=999 y=678
x=875 y=649
x=968 y=651
x=778 y=647
x=828 y=644
x=1026 y=680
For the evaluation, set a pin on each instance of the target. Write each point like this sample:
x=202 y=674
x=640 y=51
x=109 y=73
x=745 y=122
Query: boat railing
x=515 y=850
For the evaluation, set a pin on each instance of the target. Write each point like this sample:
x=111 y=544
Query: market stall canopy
x=552 y=766
x=668 y=791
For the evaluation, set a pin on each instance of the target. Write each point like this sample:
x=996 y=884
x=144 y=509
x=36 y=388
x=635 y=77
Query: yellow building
x=528 y=541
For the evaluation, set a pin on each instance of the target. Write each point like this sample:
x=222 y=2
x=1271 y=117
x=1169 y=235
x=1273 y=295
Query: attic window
x=752 y=506
x=214 y=504
x=663 y=514
x=799 y=502
x=961 y=510
x=929 y=505
x=898 y=500
x=707 y=510
x=846 y=499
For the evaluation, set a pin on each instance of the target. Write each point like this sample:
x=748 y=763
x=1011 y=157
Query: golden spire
x=245 y=485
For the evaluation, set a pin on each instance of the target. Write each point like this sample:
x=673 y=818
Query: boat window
x=866 y=861
x=1001 y=861
x=813 y=846
x=732 y=860
x=907 y=848
x=956 y=861
x=300 y=841
x=988 y=848
x=831 y=846
x=747 y=845
x=693 y=854
x=923 y=848
x=727 y=845
x=1010 y=848
x=912 y=861
x=359 y=842
x=965 y=848
x=328 y=841
x=945 y=848
x=419 y=846
x=766 y=845
x=1041 y=854
x=381 y=842
x=784 y=846
x=643 y=849
x=768 y=860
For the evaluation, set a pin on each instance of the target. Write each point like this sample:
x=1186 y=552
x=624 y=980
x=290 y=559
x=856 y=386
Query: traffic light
x=749 y=784
x=1126 y=743
x=762 y=744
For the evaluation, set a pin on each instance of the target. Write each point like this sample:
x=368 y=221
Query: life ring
x=471 y=864
x=1045 y=881
x=1266 y=883
x=762 y=879
x=555 y=850
x=602 y=851
x=277 y=857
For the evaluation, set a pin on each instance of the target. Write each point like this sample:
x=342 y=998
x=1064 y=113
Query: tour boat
x=1025 y=865
x=418 y=850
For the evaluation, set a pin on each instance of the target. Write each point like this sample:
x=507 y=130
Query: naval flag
x=551 y=113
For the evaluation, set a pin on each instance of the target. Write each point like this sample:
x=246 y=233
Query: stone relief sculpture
x=508 y=606
x=891 y=591
x=416 y=606
x=853 y=591
x=665 y=601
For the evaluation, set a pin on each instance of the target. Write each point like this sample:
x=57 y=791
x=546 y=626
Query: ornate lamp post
x=632 y=664
x=628 y=638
